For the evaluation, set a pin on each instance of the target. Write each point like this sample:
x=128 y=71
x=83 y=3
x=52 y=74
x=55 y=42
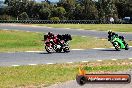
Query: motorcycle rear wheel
x=126 y=47
x=48 y=49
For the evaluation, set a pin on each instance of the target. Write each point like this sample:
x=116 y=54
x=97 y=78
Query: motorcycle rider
x=60 y=40
x=111 y=34
x=55 y=42
x=54 y=39
x=50 y=38
x=50 y=35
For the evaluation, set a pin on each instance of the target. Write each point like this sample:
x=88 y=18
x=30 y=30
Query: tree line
x=66 y=10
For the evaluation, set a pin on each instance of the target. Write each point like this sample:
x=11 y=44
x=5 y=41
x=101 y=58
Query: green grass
x=11 y=41
x=45 y=75
x=19 y=40
x=88 y=42
x=91 y=42
x=98 y=27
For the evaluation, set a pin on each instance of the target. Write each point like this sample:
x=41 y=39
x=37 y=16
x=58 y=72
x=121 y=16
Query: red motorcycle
x=58 y=44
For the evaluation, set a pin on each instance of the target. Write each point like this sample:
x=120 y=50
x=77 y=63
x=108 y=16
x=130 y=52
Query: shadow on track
x=130 y=48
x=44 y=53
x=109 y=50
x=50 y=53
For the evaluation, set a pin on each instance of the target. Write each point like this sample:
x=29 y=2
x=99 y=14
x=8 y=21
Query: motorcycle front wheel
x=66 y=49
x=117 y=47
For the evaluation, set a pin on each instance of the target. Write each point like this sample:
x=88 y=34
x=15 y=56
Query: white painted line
x=99 y=60
x=28 y=31
x=67 y=28
x=103 y=39
x=112 y=47
x=69 y=62
x=84 y=61
x=114 y=59
x=99 y=48
x=33 y=51
x=83 y=36
x=32 y=64
x=15 y=65
x=130 y=46
x=49 y=63
x=73 y=28
x=79 y=29
x=5 y=29
x=16 y=30
x=49 y=27
x=10 y=52
x=34 y=26
x=77 y=49
x=130 y=58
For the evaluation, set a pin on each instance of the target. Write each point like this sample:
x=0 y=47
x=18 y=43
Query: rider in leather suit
x=110 y=34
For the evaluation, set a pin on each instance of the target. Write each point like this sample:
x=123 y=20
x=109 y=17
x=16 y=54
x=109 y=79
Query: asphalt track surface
x=29 y=58
x=42 y=57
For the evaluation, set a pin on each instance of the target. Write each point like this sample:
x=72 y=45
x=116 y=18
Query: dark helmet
x=50 y=33
x=110 y=32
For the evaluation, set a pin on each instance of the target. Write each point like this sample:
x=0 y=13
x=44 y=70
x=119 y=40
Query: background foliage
x=67 y=9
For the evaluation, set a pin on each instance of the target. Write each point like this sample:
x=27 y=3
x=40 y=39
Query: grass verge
x=11 y=41
x=98 y=27
x=91 y=42
x=45 y=75
x=19 y=40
